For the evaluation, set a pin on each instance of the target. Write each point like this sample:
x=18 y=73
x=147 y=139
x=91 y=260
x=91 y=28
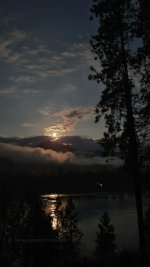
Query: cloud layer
x=34 y=59
x=28 y=155
x=34 y=155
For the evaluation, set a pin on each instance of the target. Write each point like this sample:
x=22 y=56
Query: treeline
x=42 y=179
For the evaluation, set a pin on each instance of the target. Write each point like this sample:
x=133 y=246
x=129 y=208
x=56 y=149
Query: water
x=120 y=208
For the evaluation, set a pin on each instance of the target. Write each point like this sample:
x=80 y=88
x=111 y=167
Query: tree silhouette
x=37 y=227
x=142 y=65
x=27 y=235
x=147 y=227
x=114 y=47
x=105 y=249
x=68 y=232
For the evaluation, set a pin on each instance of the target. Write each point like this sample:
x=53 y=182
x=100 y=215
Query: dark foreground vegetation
x=66 y=178
x=30 y=237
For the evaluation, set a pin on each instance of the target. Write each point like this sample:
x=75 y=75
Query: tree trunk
x=132 y=147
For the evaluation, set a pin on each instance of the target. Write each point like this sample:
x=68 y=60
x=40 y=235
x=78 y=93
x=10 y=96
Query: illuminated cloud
x=30 y=91
x=61 y=71
x=70 y=117
x=27 y=124
x=44 y=111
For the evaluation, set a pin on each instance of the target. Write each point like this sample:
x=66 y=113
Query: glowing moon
x=54 y=134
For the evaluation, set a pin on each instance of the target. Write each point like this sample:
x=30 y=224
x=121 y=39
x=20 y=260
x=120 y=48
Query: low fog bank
x=19 y=154
x=26 y=171
x=27 y=155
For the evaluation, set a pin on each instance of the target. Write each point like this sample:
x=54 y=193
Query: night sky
x=45 y=61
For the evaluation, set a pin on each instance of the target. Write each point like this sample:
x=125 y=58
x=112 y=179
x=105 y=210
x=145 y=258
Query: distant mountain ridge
x=80 y=143
x=63 y=143
x=53 y=145
x=25 y=141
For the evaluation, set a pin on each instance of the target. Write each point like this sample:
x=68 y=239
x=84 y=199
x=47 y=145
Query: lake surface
x=120 y=208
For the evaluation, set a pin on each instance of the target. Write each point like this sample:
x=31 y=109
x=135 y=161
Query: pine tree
x=106 y=247
x=68 y=231
x=113 y=46
x=142 y=69
x=147 y=226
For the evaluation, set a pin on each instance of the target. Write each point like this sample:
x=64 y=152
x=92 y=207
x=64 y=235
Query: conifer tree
x=147 y=226
x=142 y=69
x=113 y=46
x=106 y=247
x=68 y=231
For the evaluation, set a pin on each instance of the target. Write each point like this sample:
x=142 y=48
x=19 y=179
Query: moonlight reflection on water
x=53 y=204
x=120 y=208
x=51 y=210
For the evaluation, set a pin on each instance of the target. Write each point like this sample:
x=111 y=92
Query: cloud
x=25 y=155
x=68 y=88
x=14 y=91
x=69 y=54
x=8 y=91
x=30 y=91
x=44 y=111
x=22 y=78
x=7 y=44
x=60 y=71
x=17 y=36
x=14 y=50
x=28 y=124
x=32 y=60
x=76 y=57
x=34 y=155
x=70 y=118
x=83 y=55
x=23 y=51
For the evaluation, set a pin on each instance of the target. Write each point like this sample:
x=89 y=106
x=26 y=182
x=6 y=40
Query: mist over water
x=38 y=155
